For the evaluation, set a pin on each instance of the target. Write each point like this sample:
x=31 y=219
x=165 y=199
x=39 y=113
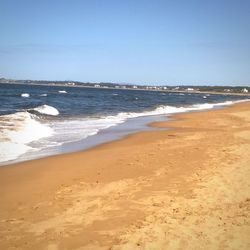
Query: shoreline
x=113 y=133
x=146 y=191
x=150 y=90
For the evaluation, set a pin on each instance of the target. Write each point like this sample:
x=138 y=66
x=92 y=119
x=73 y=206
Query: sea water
x=37 y=121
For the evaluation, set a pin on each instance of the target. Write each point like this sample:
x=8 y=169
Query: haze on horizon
x=144 y=42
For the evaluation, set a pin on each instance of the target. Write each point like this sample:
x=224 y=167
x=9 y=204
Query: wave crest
x=25 y=95
x=17 y=131
x=47 y=110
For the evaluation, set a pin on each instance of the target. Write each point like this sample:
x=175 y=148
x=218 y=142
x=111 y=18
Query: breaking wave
x=17 y=131
x=47 y=110
x=25 y=95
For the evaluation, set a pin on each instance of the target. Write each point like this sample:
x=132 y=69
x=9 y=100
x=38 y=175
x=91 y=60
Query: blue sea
x=37 y=121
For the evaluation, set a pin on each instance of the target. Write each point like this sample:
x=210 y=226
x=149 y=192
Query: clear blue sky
x=152 y=42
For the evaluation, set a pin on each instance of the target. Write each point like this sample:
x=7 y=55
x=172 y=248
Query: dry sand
x=183 y=188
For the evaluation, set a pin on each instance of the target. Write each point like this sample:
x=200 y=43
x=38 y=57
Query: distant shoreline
x=137 y=89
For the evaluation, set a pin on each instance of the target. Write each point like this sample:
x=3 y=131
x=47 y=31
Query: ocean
x=37 y=121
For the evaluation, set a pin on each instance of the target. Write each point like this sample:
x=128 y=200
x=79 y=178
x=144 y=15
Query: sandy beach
x=186 y=187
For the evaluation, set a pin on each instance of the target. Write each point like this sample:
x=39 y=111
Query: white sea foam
x=25 y=95
x=10 y=151
x=62 y=92
x=46 y=109
x=17 y=131
x=166 y=110
x=75 y=130
x=43 y=94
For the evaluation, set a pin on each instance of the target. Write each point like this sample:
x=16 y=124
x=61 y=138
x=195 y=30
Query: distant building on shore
x=244 y=90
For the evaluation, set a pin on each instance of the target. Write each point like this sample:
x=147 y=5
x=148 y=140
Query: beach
x=183 y=187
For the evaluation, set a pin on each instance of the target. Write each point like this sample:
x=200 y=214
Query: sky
x=145 y=42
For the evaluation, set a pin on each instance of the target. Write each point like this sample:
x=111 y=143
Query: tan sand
x=183 y=188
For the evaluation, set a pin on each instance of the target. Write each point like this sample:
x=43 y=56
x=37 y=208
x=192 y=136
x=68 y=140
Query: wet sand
x=183 y=188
